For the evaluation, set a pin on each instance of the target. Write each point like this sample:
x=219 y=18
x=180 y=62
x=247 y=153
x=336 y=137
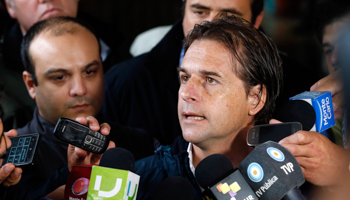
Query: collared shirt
x=190 y=158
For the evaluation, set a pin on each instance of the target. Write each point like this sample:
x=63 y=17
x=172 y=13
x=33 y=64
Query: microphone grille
x=118 y=158
x=212 y=169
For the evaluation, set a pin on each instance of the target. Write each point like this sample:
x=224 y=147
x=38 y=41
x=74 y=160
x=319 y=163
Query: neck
x=235 y=149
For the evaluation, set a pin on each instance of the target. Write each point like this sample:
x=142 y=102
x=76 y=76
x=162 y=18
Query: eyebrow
x=204 y=72
x=209 y=73
x=180 y=69
x=229 y=10
x=59 y=70
x=326 y=44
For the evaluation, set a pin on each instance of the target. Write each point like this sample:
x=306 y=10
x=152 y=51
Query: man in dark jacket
x=230 y=78
x=17 y=103
x=64 y=82
x=142 y=93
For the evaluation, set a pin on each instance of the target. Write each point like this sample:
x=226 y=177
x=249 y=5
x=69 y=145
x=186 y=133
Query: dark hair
x=256 y=7
x=1 y=92
x=57 y=26
x=255 y=52
x=329 y=11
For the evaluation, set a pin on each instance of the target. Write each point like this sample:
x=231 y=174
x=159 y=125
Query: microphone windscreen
x=118 y=158
x=174 y=188
x=213 y=169
x=271 y=171
x=297 y=111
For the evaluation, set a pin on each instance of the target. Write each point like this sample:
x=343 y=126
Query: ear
x=11 y=9
x=258 y=20
x=28 y=80
x=257 y=99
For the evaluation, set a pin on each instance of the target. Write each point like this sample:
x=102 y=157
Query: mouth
x=193 y=116
x=80 y=106
x=50 y=12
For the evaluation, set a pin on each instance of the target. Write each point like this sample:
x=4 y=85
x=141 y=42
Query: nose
x=190 y=91
x=334 y=58
x=78 y=87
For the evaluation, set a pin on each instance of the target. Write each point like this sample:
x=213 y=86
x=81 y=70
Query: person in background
x=19 y=106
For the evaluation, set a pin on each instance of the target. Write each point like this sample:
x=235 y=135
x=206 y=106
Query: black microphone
x=216 y=175
x=314 y=110
x=297 y=111
x=118 y=158
x=174 y=188
x=273 y=172
x=114 y=178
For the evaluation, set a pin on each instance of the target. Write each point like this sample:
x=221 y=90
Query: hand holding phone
x=80 y=136
x=273 y=132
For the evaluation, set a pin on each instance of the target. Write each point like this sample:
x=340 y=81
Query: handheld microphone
x=216 y=175
x=314 y=110
x=114 y=178
x=272 y=172
x=174 y=188
x=78 y=182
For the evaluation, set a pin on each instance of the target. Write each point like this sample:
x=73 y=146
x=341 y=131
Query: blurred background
x=288 y=22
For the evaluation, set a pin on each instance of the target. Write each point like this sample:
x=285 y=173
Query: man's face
x=330 y=41
x=197 y=11
x=69 y=74
x=213 y=104
x=28 y=12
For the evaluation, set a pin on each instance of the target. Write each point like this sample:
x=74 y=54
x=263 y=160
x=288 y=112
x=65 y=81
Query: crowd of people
x=213 y=76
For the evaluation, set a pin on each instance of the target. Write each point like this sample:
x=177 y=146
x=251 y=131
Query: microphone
x=314 y=110
x=78 y=182
x=114 y=178
x=272 y=172
x=216 y=175
x=174 y=188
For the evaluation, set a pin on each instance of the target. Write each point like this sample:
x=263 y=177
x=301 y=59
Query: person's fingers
x=299 y=150
x=105 y=129
x=11 y=133
x=5 y=171
x=299 y=138
x=274 y=121
x=93 y=123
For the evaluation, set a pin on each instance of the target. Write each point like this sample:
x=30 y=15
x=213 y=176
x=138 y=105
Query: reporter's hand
x=323 y=163
x=332 y=83
x=9 y=174
x=77 y=156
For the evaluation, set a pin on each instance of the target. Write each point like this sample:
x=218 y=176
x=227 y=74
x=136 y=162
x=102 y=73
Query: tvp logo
x=108 y=183
x=275 y=154
x=231 y=189
x=255 y=172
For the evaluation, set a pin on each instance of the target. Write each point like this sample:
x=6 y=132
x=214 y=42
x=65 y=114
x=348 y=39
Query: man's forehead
x=332 y=30
x=224 y=4
x=208 y=54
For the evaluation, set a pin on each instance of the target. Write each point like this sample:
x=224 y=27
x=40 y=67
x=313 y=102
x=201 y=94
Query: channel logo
x=230 y=189
x=80 y=186
x=255 y=172
x=275 y=154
